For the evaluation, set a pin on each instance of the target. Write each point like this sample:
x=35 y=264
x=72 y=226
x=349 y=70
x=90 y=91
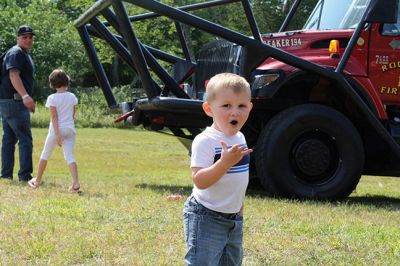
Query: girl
x=62 y=128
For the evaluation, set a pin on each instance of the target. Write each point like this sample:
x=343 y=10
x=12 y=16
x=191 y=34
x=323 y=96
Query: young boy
x=213 y=214
x=62 y=128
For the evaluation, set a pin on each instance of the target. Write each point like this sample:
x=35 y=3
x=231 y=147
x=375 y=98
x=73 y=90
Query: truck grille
x=216 y=57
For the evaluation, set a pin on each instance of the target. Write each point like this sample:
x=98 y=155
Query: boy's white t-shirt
x=64 y=103
x=227 y=194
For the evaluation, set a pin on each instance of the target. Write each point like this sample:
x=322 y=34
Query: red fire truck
x=326 y=97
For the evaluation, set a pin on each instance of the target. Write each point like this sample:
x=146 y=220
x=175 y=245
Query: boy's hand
x=230 y=157
x=206 y=177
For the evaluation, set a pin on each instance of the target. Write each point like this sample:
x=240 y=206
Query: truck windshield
x=336 y=14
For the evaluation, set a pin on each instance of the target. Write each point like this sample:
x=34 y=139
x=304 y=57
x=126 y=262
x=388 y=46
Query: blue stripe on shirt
x=241 y=166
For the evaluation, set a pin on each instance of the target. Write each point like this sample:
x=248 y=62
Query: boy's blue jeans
x=211 y=239
x=16 y=127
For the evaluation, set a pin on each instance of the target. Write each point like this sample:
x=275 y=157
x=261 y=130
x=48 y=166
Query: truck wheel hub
x=314 y=159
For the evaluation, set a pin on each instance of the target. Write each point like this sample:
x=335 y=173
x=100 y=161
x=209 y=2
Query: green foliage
x=58 y=45
x=41 y=117
x=87 y=115
x=302 y=14
x=92 y=110
x=269 y=14
x=123 y=217
x=73 y=8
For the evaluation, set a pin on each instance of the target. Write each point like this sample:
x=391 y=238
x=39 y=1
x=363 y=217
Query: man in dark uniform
x=15 y=104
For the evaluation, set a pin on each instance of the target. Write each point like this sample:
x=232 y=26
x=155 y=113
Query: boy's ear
x=251 y=106
x=207 y=109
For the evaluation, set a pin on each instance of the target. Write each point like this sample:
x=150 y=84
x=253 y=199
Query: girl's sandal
x=32 y=183
x=75 y=189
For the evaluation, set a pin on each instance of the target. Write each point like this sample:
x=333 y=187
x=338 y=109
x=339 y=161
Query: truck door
x=384 y=61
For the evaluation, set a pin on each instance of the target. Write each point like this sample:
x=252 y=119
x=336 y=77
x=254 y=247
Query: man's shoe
x=6 y=177
x=25 y=179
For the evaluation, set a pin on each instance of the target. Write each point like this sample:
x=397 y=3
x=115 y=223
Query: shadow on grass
x=378 y=201
x=185 y=190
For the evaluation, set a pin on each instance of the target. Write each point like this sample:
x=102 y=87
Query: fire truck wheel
x=309 y=151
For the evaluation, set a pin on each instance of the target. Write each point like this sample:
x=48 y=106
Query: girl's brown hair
x=58 y=78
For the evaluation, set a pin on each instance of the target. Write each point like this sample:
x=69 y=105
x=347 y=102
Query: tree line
x=58 y=45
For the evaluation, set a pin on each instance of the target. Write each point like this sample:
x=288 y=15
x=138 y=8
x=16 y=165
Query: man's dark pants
x=16 y=127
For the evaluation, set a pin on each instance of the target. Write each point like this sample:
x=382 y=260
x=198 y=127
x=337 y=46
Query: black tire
x=309 y=151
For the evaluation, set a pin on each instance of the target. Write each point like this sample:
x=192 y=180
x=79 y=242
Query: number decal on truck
x=382 y=59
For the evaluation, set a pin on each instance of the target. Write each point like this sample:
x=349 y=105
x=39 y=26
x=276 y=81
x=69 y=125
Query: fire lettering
x=389 y=90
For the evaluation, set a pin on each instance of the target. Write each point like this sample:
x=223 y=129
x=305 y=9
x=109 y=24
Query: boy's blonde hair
x=223 y=81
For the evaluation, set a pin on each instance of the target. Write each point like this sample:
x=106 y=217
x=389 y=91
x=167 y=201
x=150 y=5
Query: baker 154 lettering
x=278 y=43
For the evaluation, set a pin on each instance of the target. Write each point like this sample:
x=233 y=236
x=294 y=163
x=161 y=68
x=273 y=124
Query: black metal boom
x=143 y=58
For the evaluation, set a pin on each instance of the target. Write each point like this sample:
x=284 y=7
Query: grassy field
x=123 y=217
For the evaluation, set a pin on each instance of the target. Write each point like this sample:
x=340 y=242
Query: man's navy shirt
x=17 y=58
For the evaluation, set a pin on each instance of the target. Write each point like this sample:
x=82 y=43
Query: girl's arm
x=73 y=114
x=54 y=121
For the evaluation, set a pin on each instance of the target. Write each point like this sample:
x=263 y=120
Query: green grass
x=123 y=217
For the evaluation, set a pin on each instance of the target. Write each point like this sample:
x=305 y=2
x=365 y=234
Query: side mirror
x=383 y=11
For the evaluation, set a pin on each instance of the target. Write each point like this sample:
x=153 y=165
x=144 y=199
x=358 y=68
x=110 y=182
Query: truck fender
x=260 y=90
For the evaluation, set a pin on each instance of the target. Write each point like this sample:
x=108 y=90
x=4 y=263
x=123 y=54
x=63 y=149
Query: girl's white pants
x=68 y=142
